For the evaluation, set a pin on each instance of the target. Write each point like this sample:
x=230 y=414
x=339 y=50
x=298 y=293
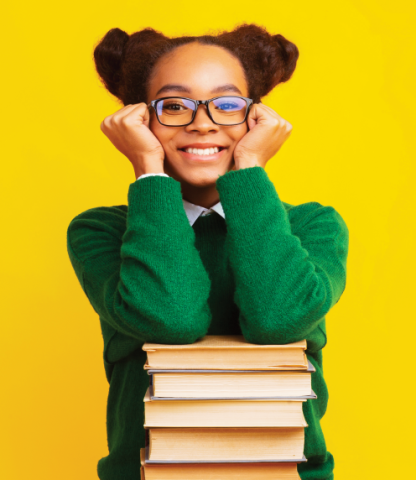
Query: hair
x=125 y=63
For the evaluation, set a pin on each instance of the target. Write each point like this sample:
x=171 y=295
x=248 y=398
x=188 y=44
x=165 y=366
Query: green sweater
x=269 y=271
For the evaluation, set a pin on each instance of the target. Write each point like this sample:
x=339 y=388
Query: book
x=217 y=471
x=262 y=397
x=226 y=444
x=229 y=384
x=223 y=413
x=226 y=352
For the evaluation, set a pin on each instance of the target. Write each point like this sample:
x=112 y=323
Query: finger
x=274 y=114
x=268 y=111
x=251 y=118
x=141 y=114
x=256 y=109
x=115 y=117
x=256 y=115
x=126 y=114
x=282 y=122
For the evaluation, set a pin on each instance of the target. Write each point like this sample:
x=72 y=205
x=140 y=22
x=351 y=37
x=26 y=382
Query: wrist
x=148 y=166
x=152 y=170
x=247 y=163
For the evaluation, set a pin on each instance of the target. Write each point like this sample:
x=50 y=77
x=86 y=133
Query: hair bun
x=268 y=59
x=108 y=57
x=290 y=55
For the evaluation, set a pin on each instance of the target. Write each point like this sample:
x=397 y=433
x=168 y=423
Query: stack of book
x=225 y=408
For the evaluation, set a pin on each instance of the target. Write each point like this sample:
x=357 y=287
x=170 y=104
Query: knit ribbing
x=157 y=193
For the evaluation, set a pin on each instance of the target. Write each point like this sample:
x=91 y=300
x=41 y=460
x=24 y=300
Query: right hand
x=128 y=130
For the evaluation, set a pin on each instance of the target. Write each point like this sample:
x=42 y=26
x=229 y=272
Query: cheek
x=163 y=134
x=238 y=133
x=155 y=127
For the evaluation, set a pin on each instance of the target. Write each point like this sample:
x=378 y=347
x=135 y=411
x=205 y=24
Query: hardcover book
x=226 y=352
x=229 y=383
x=217 y=471
x=223 y=413
x=190 y=445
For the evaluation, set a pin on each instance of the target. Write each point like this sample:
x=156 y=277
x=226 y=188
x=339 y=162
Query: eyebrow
x=175 y=87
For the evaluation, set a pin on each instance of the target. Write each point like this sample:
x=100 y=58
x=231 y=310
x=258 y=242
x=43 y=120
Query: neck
x=205 y=197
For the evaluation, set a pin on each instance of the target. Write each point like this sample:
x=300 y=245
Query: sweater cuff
x=150 y=174
x=248 y=193
x=155 y=193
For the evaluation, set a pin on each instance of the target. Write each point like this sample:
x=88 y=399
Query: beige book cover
x=223 y=413
x=227 y=352
x=218 y=471
x=225 y=384
x=219 y=444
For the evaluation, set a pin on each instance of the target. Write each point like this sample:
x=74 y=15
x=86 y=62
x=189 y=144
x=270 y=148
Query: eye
x=227 y=106
x=173 y=106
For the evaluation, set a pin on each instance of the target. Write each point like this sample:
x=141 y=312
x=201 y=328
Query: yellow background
x=351 y=102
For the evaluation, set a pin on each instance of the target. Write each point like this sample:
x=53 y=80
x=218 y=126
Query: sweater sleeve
x=143 y=275
x=287 y=275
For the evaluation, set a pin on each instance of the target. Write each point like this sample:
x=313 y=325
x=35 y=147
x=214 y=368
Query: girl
x=205 y=245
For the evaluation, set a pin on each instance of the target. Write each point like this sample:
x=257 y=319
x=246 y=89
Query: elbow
x=284 y=326
x=269 y=331
x=182 y=338
x=188 y=329
x=180 y=330
x=167 y=321
x=183 y=333
x=290 y=318
x=276 y=335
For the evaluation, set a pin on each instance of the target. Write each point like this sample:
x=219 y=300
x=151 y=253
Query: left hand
x=267 y=133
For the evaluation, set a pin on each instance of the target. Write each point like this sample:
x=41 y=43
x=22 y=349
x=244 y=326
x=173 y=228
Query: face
x=199 y=72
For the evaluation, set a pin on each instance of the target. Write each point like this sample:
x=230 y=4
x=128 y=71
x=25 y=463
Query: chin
x=201 y=176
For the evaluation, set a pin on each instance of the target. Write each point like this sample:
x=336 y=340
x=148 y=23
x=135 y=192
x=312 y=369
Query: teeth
x=200 y=151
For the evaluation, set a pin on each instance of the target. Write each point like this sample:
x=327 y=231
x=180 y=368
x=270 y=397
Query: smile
x=202 y=151
x=206 y=154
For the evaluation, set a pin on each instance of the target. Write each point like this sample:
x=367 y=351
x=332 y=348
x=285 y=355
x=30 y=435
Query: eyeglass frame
x=249 y=103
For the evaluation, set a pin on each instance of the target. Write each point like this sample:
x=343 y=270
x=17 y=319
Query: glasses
x=181 y=111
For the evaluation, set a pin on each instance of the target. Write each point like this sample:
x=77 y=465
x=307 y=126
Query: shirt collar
x=194 y=211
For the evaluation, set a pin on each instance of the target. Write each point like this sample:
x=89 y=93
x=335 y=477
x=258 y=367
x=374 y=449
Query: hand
x=128 y=130
x=267 y=133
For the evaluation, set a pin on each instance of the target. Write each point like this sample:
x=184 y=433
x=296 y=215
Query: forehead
x=200 y=69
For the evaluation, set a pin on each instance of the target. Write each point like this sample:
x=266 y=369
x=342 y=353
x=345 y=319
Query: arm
x=141 y=270
x=287 y=276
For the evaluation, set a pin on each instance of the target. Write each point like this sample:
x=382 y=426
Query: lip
x=201 y=145
x=203 y=158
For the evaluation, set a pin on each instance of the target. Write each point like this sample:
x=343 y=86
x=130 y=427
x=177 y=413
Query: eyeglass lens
x=179 y=111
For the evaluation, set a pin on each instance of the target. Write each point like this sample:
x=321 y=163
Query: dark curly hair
x=125 y=62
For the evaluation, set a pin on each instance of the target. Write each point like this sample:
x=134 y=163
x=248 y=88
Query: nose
x=202 y=123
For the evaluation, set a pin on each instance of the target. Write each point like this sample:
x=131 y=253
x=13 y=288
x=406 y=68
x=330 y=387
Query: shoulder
x=311 y=215
x=101 y=217
x=112 y=213
x=96 y=229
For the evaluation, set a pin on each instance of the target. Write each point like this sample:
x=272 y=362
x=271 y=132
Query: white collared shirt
x=193 y=211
